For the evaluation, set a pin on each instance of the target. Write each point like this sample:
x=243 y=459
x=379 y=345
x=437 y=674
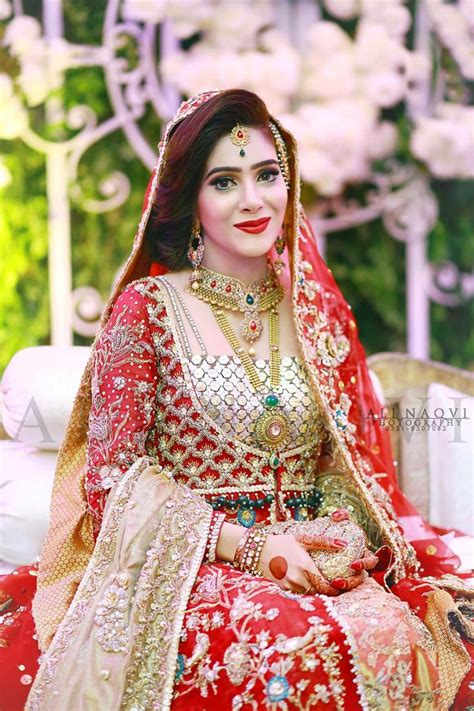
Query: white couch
x=37 y=392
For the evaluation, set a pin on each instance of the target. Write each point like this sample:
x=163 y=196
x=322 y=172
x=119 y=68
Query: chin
x=254 y=246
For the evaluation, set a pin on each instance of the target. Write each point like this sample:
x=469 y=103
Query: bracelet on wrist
x=217 y=521
x=249 y=550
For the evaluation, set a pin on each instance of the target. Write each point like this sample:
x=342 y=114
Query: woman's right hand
x=286 y=562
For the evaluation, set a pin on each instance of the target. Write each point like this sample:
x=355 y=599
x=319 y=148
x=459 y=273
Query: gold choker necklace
x=230 y=293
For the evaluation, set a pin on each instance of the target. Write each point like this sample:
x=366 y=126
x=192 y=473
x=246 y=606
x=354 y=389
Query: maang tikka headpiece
x=240 y=137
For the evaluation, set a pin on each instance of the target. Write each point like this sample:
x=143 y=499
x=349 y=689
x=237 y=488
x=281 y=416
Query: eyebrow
x=229 y=169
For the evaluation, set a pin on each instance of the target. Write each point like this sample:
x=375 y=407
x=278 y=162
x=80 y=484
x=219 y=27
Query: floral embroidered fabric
x=243 y=642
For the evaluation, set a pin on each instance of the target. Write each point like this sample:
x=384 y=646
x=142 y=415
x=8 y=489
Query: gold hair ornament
x=282 y=153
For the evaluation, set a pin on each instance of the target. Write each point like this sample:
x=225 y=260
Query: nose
x=251 y=200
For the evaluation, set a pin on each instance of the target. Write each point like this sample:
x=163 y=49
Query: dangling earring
x=196 y=246
x=280 y=244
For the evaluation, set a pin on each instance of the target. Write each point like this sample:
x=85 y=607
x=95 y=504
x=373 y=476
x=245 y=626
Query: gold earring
x=280 y=244
x=196 y=246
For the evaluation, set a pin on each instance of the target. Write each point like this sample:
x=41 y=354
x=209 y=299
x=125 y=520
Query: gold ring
x=310 y=587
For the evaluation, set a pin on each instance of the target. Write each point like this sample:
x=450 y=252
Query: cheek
x=279 y=199
x=212 y=208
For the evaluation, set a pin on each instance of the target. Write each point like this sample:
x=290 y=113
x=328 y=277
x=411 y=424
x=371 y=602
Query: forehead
x=225 y=153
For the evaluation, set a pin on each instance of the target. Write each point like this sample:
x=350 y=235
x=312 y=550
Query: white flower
x=33 y=81
x=375 y=50
x=326 y=38
x=189 y=16
x=334 y=140
x=383 y=140
x=6 y=88
x=445 y=142
x=236 y=30
x=330 y=78
x=13 y=117
x=385 y=88
x=343 y=9
x=390 y=14
x=5 y=175
x=21 y=33
x=5 y=9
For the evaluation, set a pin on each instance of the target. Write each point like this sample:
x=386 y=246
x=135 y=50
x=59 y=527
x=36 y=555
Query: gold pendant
x=251 y=327
x=271 y=429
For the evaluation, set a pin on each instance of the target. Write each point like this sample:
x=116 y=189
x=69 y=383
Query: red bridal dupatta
x=361 y=462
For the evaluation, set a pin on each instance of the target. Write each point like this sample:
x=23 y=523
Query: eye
x=222 y=183
x=269 y=175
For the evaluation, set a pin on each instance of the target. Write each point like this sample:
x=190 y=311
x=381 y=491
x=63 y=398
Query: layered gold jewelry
x=271 y=428
x=229 y=293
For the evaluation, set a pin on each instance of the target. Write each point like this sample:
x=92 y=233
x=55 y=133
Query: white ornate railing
x=402 y=196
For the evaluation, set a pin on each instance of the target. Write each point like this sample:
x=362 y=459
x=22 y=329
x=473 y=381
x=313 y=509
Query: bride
x=226 y=527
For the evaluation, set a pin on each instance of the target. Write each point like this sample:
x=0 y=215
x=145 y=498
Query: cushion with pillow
x=26 y=481
x=38 y=390
x=450 y=456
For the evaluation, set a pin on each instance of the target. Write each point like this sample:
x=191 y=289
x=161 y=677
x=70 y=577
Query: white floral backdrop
x=333 y=89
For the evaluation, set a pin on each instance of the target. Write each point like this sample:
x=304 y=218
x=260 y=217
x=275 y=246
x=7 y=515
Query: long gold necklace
x=271 y=428
x=230 y=293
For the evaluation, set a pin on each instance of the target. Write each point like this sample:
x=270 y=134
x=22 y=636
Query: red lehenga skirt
x=246 y=644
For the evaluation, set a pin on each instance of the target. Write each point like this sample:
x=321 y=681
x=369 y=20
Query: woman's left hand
x=359 y=566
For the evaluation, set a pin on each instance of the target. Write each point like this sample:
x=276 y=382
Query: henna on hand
x=320 y=542
x=320 y=584
x=368 y=562
x=278 y=567
x=340 y=515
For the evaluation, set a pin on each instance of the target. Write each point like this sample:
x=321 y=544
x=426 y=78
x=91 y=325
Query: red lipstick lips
x=253 y=227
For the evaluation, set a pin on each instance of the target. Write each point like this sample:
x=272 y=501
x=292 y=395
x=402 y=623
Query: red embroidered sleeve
x=123 y=398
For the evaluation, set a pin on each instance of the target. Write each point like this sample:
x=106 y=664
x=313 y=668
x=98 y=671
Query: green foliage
x=24 y=254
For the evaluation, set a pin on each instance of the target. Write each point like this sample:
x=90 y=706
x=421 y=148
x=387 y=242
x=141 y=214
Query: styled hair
x=190 y=144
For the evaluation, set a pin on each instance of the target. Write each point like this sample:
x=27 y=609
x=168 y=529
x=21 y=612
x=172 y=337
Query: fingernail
x=339 y=583
x=356 y=565
x=340 y=543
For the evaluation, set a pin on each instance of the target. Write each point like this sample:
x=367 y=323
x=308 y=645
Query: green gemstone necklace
x=230 y=293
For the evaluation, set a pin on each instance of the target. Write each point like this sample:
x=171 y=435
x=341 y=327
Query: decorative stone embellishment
x=111 y=617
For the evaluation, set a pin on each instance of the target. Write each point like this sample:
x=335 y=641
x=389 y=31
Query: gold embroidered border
x=172 y=553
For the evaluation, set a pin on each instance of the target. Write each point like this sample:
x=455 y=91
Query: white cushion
x=450 y=453
x=377 y=385
x=38 y=389
x=26 y=480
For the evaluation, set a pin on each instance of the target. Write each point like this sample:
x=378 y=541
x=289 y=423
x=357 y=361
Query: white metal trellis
x=403 y=200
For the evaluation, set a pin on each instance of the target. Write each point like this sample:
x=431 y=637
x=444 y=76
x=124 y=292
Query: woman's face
x=240 y=189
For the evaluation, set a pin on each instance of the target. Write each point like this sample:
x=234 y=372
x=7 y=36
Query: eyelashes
x=218 y=182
